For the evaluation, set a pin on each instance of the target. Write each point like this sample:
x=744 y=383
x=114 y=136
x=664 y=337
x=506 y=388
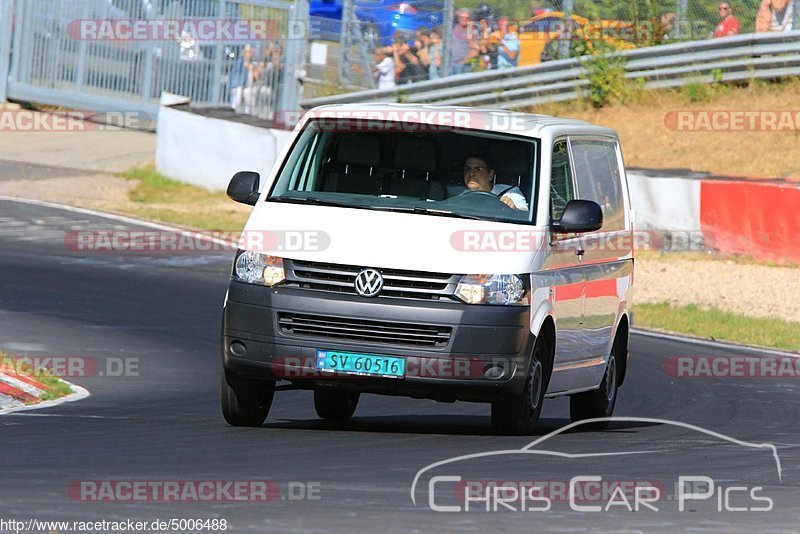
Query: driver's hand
x=508 y=202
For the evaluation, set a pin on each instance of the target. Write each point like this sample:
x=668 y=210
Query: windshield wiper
x=308 y=200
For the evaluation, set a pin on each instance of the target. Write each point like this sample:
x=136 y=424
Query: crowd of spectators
x=480 y=40
x=253 y=78
x=482 y=45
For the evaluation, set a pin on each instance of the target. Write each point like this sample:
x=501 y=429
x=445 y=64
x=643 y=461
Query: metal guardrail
x=740 y=57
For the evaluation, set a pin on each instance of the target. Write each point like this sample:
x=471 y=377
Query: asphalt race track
x=161 y=421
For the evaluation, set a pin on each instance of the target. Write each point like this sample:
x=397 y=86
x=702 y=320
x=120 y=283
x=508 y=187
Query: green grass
x=57 y=388
x=719 y=325
x=159 y=198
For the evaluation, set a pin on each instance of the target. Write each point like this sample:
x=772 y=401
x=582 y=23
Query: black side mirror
x=244 y=187
x=579 y=216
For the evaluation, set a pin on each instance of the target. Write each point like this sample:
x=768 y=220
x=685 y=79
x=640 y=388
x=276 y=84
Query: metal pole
x=6 y=16
x=447 y=38
x=564 y=45
x=216 y=77
x=294 y=56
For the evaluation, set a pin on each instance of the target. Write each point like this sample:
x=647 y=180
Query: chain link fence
x=122 y=54
x=362 y=44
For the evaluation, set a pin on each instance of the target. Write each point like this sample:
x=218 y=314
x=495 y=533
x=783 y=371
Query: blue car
x=380 y=19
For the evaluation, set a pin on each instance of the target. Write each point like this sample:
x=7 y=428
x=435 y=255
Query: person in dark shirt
x=408 y=67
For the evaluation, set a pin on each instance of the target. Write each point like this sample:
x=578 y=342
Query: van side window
x=560 y=181
x=598 y=178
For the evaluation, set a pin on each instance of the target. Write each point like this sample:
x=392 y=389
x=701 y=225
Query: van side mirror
x=579 y=216
x=244 y=187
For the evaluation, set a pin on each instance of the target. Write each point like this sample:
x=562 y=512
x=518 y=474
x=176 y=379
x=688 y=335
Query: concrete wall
x=205 y=151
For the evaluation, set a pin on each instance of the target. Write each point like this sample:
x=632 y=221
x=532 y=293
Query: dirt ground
x=648 y=141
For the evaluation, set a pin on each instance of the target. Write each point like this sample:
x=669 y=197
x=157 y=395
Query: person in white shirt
x=479 y=176
x=384 y=68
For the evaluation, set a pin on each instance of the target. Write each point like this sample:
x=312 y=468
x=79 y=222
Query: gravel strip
x=746 y=289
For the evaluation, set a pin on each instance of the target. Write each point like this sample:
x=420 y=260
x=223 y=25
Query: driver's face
x=477 y=176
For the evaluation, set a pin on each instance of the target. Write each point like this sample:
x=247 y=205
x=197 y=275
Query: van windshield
x=418 y=168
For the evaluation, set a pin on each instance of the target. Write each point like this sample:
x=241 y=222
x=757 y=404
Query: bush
x=607 y=82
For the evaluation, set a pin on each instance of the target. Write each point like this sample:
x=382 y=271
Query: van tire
x=245 y=402
x=599 y=402
x=519 y=415
x=335 y=404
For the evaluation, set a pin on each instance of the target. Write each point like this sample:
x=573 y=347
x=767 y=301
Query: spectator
x=435 y=56
x=508 y=46
x=728 y=25
x=241 y=75
x=464 y=47
x=384 y=68
x=487 y=48
x=422 y=44
x=407 y=67
x=666 y=25
x=775 y=16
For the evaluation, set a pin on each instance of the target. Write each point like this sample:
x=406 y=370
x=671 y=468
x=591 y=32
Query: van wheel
x=519 y=415
x=599 y=402
x=245 y=402
x=335 y=404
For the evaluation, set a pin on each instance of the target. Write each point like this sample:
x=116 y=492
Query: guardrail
x=740 y=57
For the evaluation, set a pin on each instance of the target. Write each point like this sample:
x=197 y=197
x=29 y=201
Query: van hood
x=371 y=238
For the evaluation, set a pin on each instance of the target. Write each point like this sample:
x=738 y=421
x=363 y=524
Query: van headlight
x=503 y=289
x=257 y=268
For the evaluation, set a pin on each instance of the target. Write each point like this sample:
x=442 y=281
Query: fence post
x=293 y=57
x=6 y=15
x=216 y=96
x=565 y=44
x=447 y=38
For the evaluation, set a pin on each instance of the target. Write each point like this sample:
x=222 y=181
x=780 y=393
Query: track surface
x=162 y=311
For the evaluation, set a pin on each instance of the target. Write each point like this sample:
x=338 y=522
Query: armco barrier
x=741 y=57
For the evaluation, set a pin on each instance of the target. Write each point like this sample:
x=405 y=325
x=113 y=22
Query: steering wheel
x=484 y=193
x=469 y=193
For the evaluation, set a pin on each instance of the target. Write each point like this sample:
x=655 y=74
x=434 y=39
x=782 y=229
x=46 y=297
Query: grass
x=719 y=325
x=159 y=198
x=647 y=142
x=56 y=388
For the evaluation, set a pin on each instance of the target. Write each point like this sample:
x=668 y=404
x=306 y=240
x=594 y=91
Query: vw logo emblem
x=369 y=283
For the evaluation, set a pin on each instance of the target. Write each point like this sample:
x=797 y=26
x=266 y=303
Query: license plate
x=361 y=364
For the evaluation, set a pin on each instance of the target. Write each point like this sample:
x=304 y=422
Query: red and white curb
x=20 y=392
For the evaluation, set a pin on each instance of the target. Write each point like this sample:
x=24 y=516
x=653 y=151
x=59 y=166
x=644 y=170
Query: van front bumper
x=484 y=358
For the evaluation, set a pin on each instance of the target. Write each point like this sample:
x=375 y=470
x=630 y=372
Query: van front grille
x=396 y=283
x=349 y=329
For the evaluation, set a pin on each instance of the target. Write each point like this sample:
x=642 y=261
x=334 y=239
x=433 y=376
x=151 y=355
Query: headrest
x=414 y=153
x=512 y=160
x=359 y=149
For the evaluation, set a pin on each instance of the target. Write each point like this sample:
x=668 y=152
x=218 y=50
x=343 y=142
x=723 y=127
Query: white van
x=446 y=253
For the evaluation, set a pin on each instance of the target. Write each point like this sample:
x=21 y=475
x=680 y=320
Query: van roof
x=494 y=120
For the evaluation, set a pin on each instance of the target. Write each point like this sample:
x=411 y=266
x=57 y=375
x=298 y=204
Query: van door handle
x=580 y=252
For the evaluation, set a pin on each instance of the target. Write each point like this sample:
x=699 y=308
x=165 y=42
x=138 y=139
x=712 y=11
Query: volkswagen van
x=444 y=253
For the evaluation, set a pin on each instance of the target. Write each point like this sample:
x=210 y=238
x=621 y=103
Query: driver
x=479 y=176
